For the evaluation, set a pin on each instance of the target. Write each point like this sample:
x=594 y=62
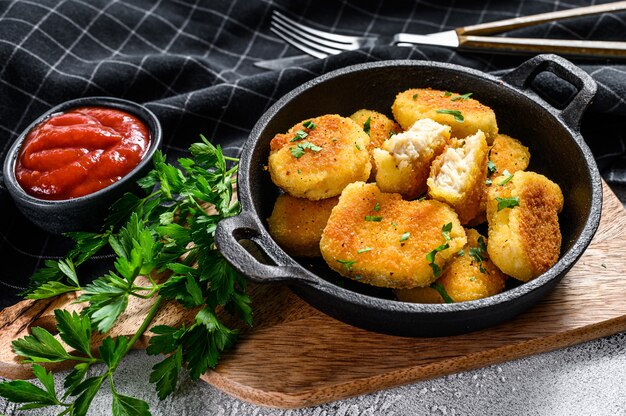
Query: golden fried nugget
x=297 y=223
x=403 y=162
x=381 y=127
x=418 y=103
x=380 y=239
x=524 y=233
x=508 y=154
x=470 y=275
x=318 y=157
x=457 y=176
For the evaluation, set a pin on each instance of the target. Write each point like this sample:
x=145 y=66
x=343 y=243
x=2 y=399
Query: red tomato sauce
x=79 y=152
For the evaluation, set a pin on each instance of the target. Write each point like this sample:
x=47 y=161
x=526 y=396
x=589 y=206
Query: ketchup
x=80 y=151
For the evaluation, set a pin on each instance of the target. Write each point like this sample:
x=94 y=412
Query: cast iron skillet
x=557 y=150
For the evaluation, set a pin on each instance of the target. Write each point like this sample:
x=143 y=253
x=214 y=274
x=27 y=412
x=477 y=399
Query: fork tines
x=315 y=42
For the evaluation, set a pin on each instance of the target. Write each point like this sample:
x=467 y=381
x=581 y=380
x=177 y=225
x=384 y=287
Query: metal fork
x=321 y=44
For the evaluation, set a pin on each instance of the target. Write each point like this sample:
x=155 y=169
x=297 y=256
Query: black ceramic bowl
x=86 y=212
x=557 y=150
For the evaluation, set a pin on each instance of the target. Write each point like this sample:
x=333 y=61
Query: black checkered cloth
x=191 y=62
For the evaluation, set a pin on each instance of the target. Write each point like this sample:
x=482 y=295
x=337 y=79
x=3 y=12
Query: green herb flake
x=477 y=254
x=309 y=124
x=447 y=94
x=458 y=116
x=507 y=202
x=415 y=96
x=300 y=134
x=405 y=236
x=442 y=292
x=299 y=150
x=364 y=250
x=357 y=146
x=491 y=168
x=462 y=97
x=373 y=218
x=472 y=279
x=488 y=181
x=366 y=126
x=347 y=264
x=377 y=207
x=392 y=133
x=508 y=178
x=394 y=224
x=430 y=257
x=460 y=253
x=334 y=139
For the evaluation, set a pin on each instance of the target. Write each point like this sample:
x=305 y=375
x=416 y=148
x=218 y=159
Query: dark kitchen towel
x=191 y=62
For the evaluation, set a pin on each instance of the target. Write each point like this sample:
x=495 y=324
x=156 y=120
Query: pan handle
x=228 y=237
x=522 y=76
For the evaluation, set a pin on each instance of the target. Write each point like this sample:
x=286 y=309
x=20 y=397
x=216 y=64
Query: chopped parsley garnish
x=460 y=253
x=394 y=224
x=507 y=202
x=507 y=179
x=472 y=279
x=478 y=253
x=300 y=134
x=415 y=96
x=491 y=168
x=334 y=139
x=488 y=181
x=447 y=94
x=364 y=250
x=366 y=126
x=347 y=264
x=373 y=218
x=309 y=124
x=377 y=207
x=405 y=236
x=458 y=116
x=462 y=97
x=430 y=257
x=357 y=146
x=442 y=292
x=298 y=151
x=391 y=133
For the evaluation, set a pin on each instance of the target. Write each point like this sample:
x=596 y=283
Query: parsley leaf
x=491 y=168
x=309 y=124
x=366 y=125
x=165 y=373
x=442 y=292
x=462 y=97
x=506 y=180
x=19 y=391
x=430 y=257
x=477 y=254
x=364 y=250
x=373 y=218
x=300 y=134
x=347 y=264
x=458 y=116
x=299 y=150
x=405 y=236
x=74 y=330
x=507 y=202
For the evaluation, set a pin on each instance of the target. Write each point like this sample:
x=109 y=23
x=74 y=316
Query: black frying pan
x=557 y=150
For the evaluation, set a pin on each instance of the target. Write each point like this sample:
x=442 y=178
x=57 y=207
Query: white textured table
x=587 y=379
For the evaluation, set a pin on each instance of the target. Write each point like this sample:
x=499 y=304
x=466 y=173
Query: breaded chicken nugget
x=318 y=157
x=403 y=162
x=297 y=223
x=383 y=240
x=508 y=154
x=470 y=275
x=524 y=233
x=457 y=176
x=463 y=114
x=380 y=127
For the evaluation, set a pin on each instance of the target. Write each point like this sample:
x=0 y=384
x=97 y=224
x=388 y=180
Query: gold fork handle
x=533 y=45
x=524 y=21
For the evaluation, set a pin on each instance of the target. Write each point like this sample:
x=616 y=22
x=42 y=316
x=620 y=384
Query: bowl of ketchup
x=67 y=168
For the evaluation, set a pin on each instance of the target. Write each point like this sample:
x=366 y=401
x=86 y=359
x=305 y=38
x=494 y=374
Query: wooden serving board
x=296 y=356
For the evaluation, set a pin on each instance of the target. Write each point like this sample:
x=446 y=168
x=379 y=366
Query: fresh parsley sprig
x=171 y=229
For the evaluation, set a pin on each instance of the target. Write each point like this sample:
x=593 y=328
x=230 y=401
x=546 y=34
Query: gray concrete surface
x=587 y=379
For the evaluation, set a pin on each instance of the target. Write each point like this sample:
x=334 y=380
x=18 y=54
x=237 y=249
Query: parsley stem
x=146 y=323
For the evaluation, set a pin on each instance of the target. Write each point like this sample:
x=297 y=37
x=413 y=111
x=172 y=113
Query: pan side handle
x=522 y=76
x=231 y=236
